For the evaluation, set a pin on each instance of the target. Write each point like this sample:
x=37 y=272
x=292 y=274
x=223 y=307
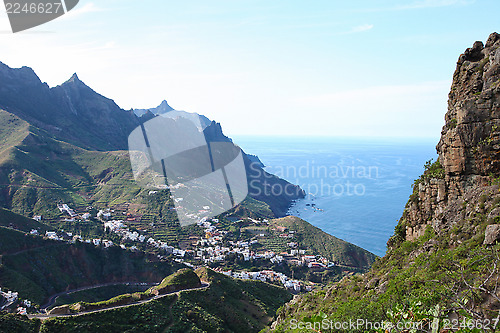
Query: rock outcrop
x=469 y=149
x=492 y=234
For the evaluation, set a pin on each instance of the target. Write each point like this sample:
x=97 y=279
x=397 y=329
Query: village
x=208 y=246
x=206 y=250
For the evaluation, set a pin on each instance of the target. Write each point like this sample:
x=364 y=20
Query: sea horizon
x=356 y=187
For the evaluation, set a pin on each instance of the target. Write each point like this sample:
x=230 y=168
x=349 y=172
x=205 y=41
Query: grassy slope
x=98 y=294
x=184 y=278
x=43 y=171
x=13 y=130
x=15 y=221
x=228 y=305
x=37 y=171
x=313 y=238
x=414 y=276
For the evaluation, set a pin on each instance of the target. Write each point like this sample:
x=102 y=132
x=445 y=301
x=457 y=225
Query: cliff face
x=469 y=149
x=443 y=261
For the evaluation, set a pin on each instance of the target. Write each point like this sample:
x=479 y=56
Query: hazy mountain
x=164 y=108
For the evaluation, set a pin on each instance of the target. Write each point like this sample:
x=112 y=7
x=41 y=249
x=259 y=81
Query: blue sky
x=327 y=68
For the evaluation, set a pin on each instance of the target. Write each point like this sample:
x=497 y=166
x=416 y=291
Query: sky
x=310 y=68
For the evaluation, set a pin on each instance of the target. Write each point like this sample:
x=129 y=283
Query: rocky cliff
x=443 y=260
x=469 y=149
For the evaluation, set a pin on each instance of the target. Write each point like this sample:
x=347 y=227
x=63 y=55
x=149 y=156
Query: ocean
x=357 y=187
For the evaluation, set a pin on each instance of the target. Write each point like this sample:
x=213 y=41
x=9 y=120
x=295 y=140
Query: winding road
x=53 y=298
x=46 y=316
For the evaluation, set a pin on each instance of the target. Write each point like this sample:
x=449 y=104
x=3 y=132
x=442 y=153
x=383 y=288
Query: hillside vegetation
x=15 y=221
x=228 y=305
x=182 y=279
x=13 y=130
x=68 y=144
x=318 y=241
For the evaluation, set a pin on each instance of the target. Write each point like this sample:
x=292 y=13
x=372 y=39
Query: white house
x=51 y=235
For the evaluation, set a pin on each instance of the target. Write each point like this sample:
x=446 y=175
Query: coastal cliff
x=442 y=262
x=469 y=149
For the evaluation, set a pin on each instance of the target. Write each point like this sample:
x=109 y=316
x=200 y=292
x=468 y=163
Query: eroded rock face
x=470 y=139
x=469 y=148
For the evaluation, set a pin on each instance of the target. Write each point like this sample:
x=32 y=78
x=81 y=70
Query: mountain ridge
x=73 y=113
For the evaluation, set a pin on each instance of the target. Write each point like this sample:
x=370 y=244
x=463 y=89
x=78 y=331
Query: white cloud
x=361 y=28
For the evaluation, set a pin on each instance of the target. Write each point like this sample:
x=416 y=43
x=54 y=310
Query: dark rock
x=474 y=53
x=492 y=39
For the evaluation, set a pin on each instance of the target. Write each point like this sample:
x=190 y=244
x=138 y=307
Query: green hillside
x=15 y=221
x=39 y=171
x=42 y=172
x=13 y=241
x=318 y=241
x=39 y=268
x=13 y=130
x=182 y=279
x=228 y=305
x=451 y=268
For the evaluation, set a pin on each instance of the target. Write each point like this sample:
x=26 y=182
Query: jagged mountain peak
x=164 y=107
x=164 y=104
x=74 y=78
x=72 y=111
